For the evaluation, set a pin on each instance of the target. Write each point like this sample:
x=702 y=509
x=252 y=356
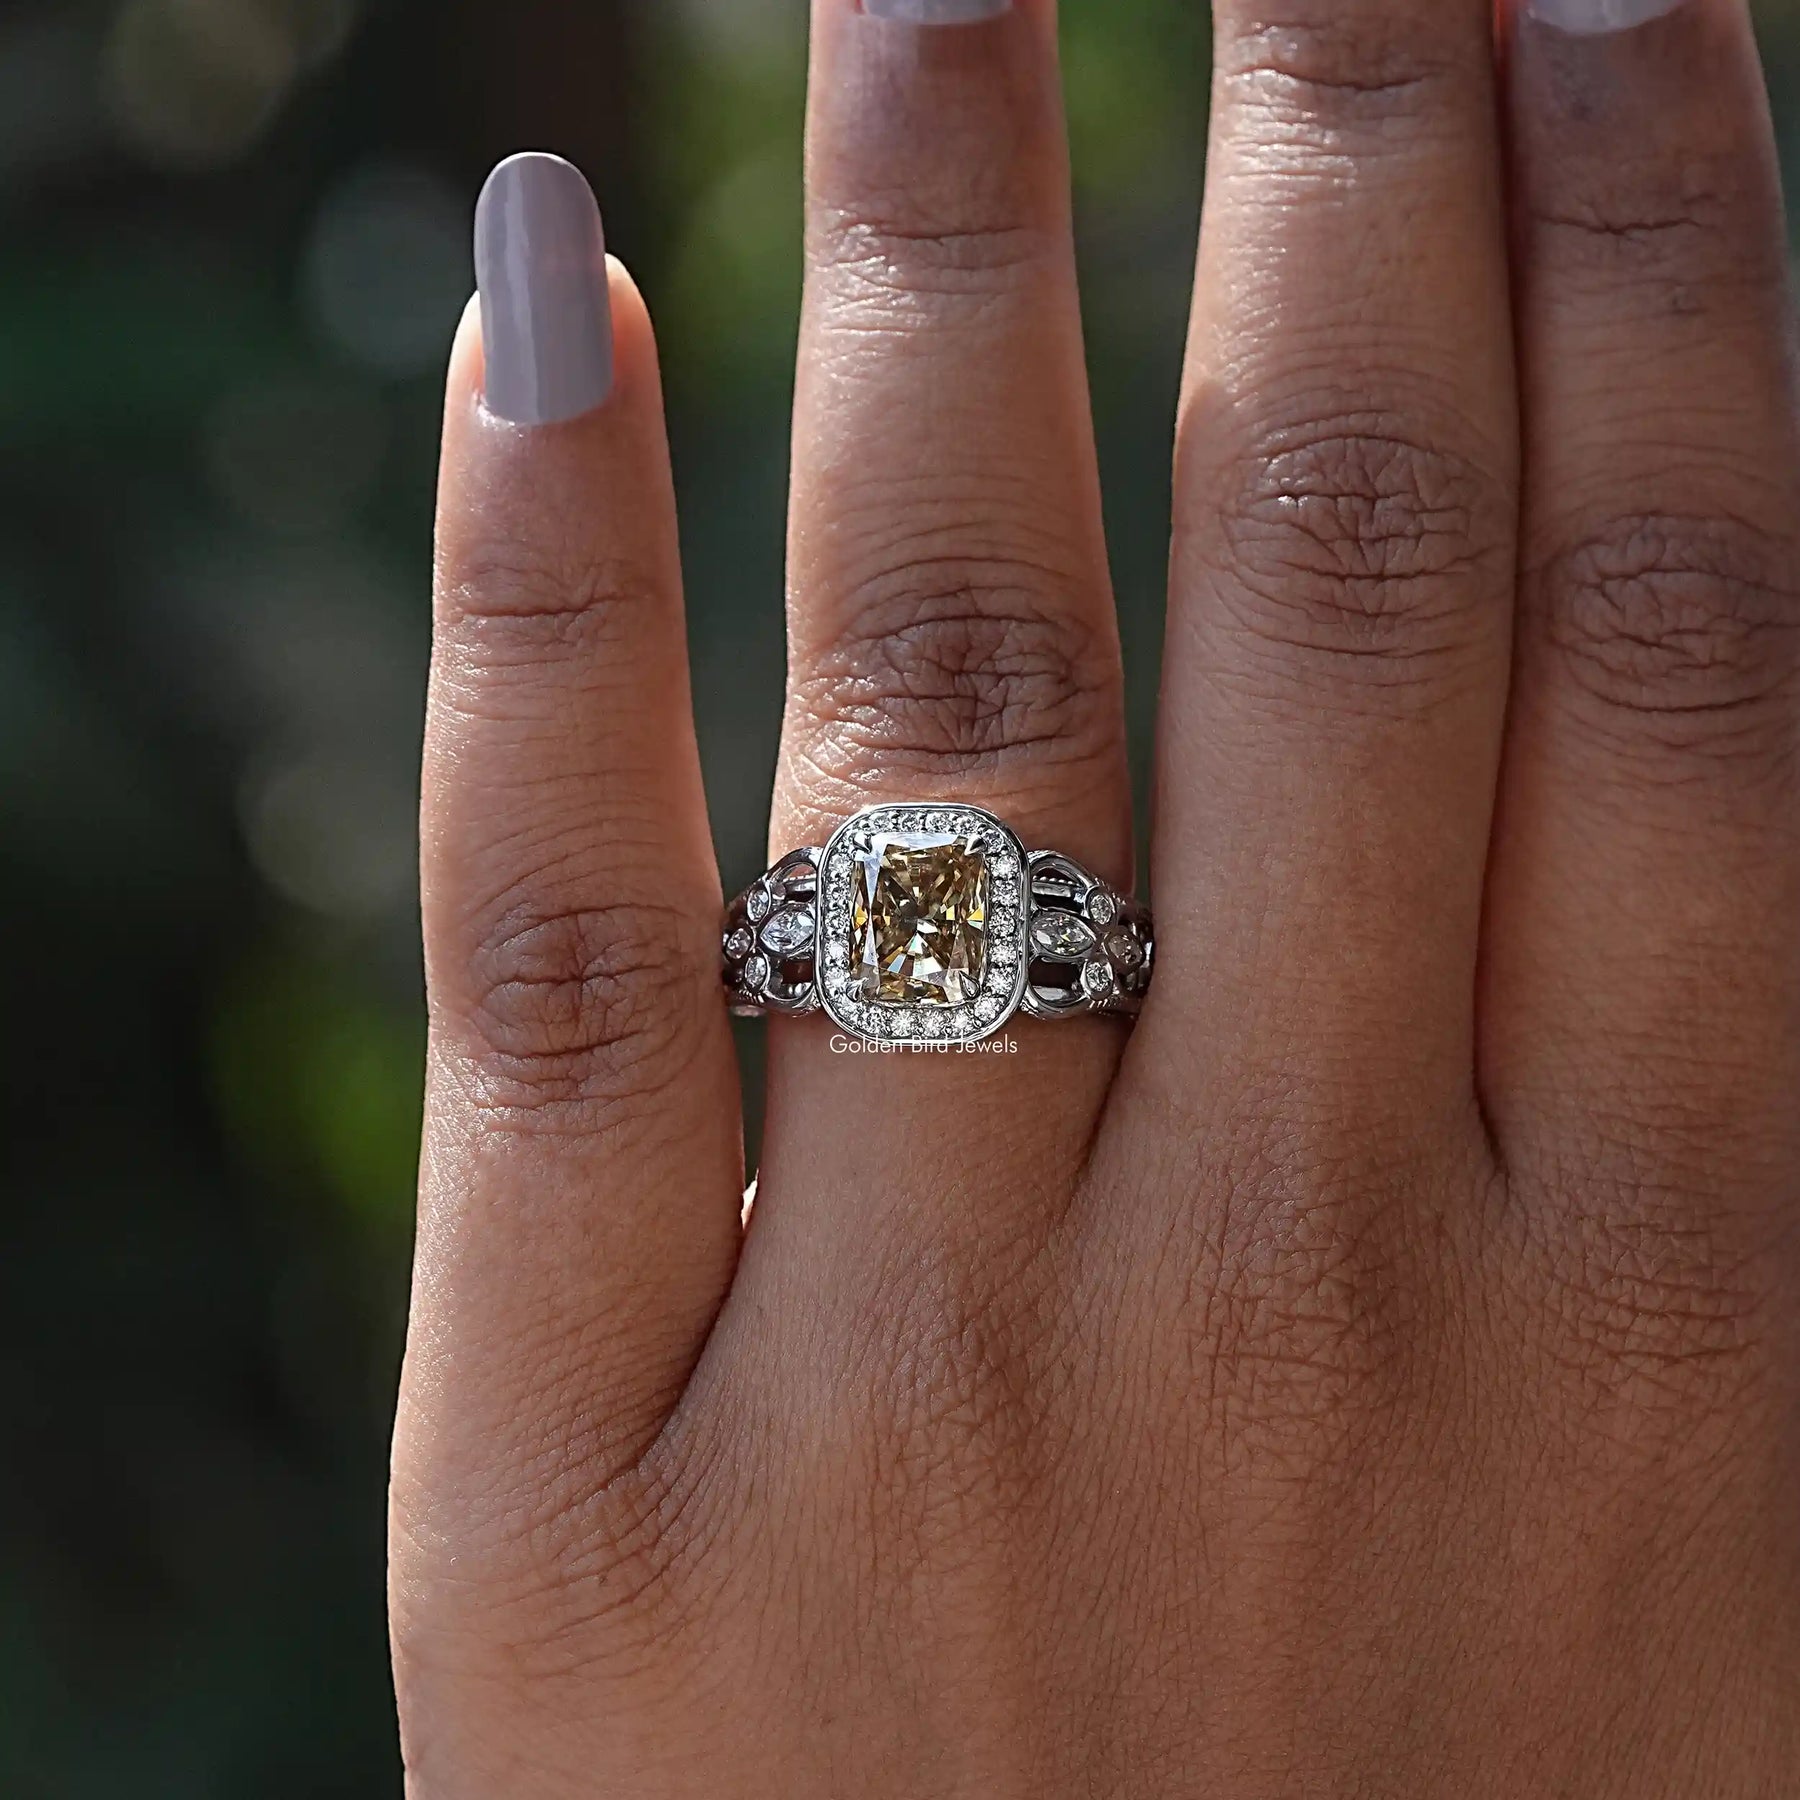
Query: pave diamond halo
x=915 y=887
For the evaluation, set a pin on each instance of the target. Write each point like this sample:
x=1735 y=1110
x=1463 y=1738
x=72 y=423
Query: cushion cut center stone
x=919 y=919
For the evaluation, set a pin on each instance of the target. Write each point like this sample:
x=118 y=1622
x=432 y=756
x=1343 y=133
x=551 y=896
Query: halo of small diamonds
x=1002 y=974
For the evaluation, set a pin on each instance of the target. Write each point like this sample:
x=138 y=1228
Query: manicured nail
x=937 y=12
x=546 y=315
x=1590 y=18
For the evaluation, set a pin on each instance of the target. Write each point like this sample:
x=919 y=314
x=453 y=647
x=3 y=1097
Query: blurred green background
x=233 y=236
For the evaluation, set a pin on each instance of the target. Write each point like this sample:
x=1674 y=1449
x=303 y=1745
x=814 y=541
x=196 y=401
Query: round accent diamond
x=739 y=945
x=790 y=931
x=1102 y=908
x=759 y=904
x=1097 y=981
x=756 y=972
x=1125 y=950
x=989 y=1006
x=1063 y=935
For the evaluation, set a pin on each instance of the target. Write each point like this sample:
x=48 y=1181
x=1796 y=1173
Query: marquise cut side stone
x=1062 y=934
x=789 y=931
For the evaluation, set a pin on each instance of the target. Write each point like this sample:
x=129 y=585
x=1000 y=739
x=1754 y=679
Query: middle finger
x=1346 y=495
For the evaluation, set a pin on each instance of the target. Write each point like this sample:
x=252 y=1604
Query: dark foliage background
x=233 y=244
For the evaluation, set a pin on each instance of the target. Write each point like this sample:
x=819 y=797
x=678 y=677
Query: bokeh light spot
x=328 y=834
x=387 y=268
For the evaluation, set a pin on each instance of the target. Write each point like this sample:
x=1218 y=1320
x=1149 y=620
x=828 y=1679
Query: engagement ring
x=933 y=925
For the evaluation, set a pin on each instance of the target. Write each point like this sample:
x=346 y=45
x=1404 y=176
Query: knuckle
x=517 y=602
x=1683 y=628
x=955 y=666
x=589 y=1011
x=891 y=244
x=1361 y=548
x=1304 y=1284
x=1688 y=230
x=960 y=222
x=1646 y=1302
x=1312 y=59
x=1303 y=1315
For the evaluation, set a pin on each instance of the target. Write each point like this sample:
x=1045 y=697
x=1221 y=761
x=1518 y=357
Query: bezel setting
x=924 y=1024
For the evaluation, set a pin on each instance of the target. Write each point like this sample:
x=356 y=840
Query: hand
x=1377 y=1375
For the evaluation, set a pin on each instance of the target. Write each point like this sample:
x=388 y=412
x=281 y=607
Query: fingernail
x=937 y=12
x=546 y=315
x=1590 y=18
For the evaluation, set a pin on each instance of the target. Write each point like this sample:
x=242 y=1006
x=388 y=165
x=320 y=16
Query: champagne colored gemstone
x=919 y=919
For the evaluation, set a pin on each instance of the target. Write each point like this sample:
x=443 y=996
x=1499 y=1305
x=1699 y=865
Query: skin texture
x=1376 y=1375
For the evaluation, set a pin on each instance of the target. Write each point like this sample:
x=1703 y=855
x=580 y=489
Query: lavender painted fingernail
x=546 y=314
x=936 y=12
x=1592 y=18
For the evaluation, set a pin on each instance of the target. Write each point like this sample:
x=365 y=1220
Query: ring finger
x=951 y=622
